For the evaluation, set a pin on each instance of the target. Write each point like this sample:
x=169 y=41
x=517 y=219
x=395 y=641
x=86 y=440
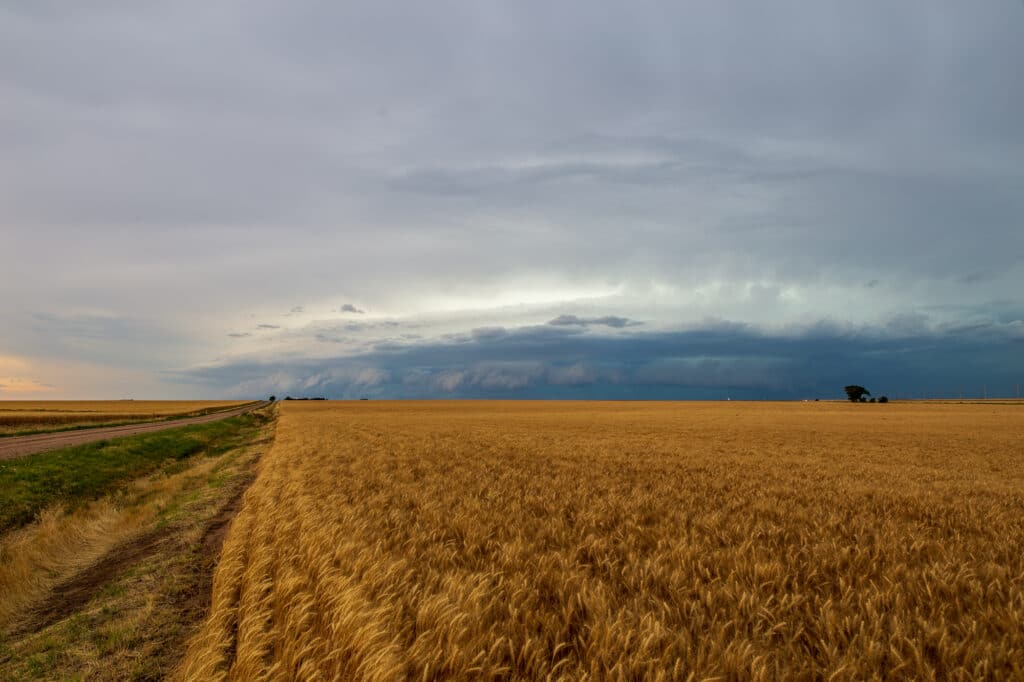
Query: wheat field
x=42 y=415
x=626 y=541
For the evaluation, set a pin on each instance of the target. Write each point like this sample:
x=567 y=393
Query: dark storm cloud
x=908 y=324
x=349 y=308
x=716 y=361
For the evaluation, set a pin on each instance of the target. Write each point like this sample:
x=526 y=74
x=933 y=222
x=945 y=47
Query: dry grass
x=575 y=541
x=35 y=558
x=24 y=416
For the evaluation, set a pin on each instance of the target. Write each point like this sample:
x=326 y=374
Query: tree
x=855 y=393
x=883 y=399
x=272 y=398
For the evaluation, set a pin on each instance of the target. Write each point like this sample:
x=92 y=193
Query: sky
x=615 y=200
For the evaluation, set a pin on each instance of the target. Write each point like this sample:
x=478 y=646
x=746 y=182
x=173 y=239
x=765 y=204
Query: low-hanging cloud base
x=714 y=362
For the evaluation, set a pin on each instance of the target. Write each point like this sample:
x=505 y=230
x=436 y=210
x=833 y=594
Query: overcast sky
x=515 y=199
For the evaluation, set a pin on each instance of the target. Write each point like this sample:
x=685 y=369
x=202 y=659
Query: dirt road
x=20 y=446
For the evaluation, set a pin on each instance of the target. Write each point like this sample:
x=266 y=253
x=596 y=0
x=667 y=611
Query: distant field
x=34 y=416
x=519 y=540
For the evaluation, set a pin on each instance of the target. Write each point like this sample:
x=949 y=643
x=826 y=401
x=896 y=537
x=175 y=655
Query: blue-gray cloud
x=607 y=321
x=717 y=360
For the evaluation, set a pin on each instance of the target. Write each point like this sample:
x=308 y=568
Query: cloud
x=297 y=309
x=488 y=333
x=268 y=326
x=488 y=377
x=361 y=377
x=506 y=376
x=573 y=375
x=449 y=380
x=973 y=277
x=94 y=336
x=716 y=360
x=239 y=335
x=23 y=385
x=304 y=380
x=718 y=372
x=327 y=338
x=607 y=321
x=908 y=324
x=15 y=379
x=349 y=308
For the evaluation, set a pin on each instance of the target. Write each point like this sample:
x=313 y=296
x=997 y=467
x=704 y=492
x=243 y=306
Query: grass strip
x=86 y=472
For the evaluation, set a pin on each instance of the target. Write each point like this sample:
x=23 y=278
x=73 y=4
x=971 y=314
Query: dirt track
x=20 y=446
x=75 y=593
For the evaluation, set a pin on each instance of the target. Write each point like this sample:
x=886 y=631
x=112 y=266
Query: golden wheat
x=477 y=540
x=41 y=415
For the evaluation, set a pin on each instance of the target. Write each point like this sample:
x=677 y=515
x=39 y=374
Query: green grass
x=86 y=472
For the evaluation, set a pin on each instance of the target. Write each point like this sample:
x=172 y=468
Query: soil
x=207 y=553
x=69 y=597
